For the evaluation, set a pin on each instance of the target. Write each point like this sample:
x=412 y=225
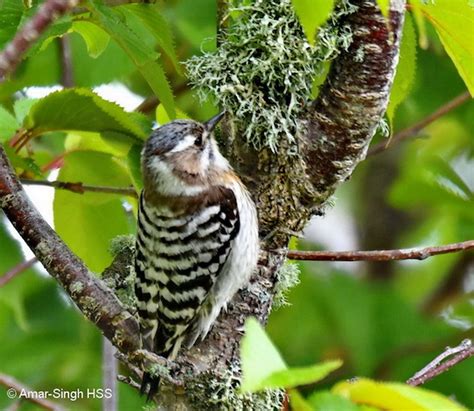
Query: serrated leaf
x=312 y=14
x=454 y=22
x=420 y=24
x=95 y=38
x=151 y=18
x=263 y=367
x=395 y=396
x=88 y=222
x=406 y=69
x=8 y=124
x=144 y=57
x=81 y=110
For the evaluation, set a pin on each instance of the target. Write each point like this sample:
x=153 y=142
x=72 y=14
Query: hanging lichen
x=263 y=72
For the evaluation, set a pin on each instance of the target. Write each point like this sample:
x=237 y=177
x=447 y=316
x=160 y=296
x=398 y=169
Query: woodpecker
x=197 y=238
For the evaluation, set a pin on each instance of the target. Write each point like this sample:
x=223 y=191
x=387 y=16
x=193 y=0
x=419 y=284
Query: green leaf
x=95 y=38
x=11 y=12
x=82 y=110
x=327 y=401
x=144 y=57
x=406 y=69
x=88 y=222
x=453 y=21
x=395 y=396
x=263 y=367
x=22 y=107
x=294 y=377
x=384 y=6
x=149 y=15
x=22 y=163
x=8 y=124
x=134 y=166
x=163 y=118
x=312 y=14
x=260 y=358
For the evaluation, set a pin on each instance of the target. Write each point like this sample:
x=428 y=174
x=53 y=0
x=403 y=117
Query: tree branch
x=380 y=255
x=15 y=388
x=353 y=98
x=80 y=188
x=49 y=11
x=440 y=365
x=9 y=275
x=415 y=129
x=98 y=303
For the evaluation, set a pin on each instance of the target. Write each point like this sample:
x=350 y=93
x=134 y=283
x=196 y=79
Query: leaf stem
x=18 y=269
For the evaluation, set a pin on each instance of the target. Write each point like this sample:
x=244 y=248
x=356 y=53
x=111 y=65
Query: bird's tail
x=150 y=384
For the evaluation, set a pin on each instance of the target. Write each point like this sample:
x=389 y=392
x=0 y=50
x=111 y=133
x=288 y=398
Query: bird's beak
x=212 y=123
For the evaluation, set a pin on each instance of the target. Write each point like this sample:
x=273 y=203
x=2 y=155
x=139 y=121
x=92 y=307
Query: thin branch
x=440 y=364
x=96 y=301
x=80 y=188
x=49 y=11
x=381 y=255
x=415 y=129
x=67 y=75
x=9 y=275
x=16 y=388
x=109 y=376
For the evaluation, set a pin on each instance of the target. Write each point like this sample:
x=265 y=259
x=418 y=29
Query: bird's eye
x=198 y=141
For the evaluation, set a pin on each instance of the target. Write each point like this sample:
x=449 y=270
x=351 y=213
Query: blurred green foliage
x=385 y=321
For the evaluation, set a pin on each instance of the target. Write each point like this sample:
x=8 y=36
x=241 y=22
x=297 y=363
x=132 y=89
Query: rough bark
x=287 y=189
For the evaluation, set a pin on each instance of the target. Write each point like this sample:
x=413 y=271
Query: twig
x=67 y=75
x=16 y=388
x=80 y=188
x=9 y=275
x=30 y=32
x=417 y=127
x=109 y=376
x=440 y=365
x=380 y=255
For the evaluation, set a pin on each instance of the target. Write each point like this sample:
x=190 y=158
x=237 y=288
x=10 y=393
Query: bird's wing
x=179 y=260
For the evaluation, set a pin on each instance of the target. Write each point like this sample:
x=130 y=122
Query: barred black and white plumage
x=197 y=239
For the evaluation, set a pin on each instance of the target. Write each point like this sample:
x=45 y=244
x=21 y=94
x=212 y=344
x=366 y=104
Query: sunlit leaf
x=327 y=401
x=95 y=38
x=312 y=14
x=454 y=22
x=144 y=57
x=83 y=110
x=8 y=124
x=263 y=367
x=395 y=396
x=384 y=6
x=149 y=15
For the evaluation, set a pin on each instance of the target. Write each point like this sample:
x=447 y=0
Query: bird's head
x=182 y=157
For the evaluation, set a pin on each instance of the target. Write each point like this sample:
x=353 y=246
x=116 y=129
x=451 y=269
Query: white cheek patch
x=185 y=143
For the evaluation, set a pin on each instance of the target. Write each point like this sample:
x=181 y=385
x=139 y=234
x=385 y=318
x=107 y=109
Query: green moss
x=121 y=243
x=263 y=72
